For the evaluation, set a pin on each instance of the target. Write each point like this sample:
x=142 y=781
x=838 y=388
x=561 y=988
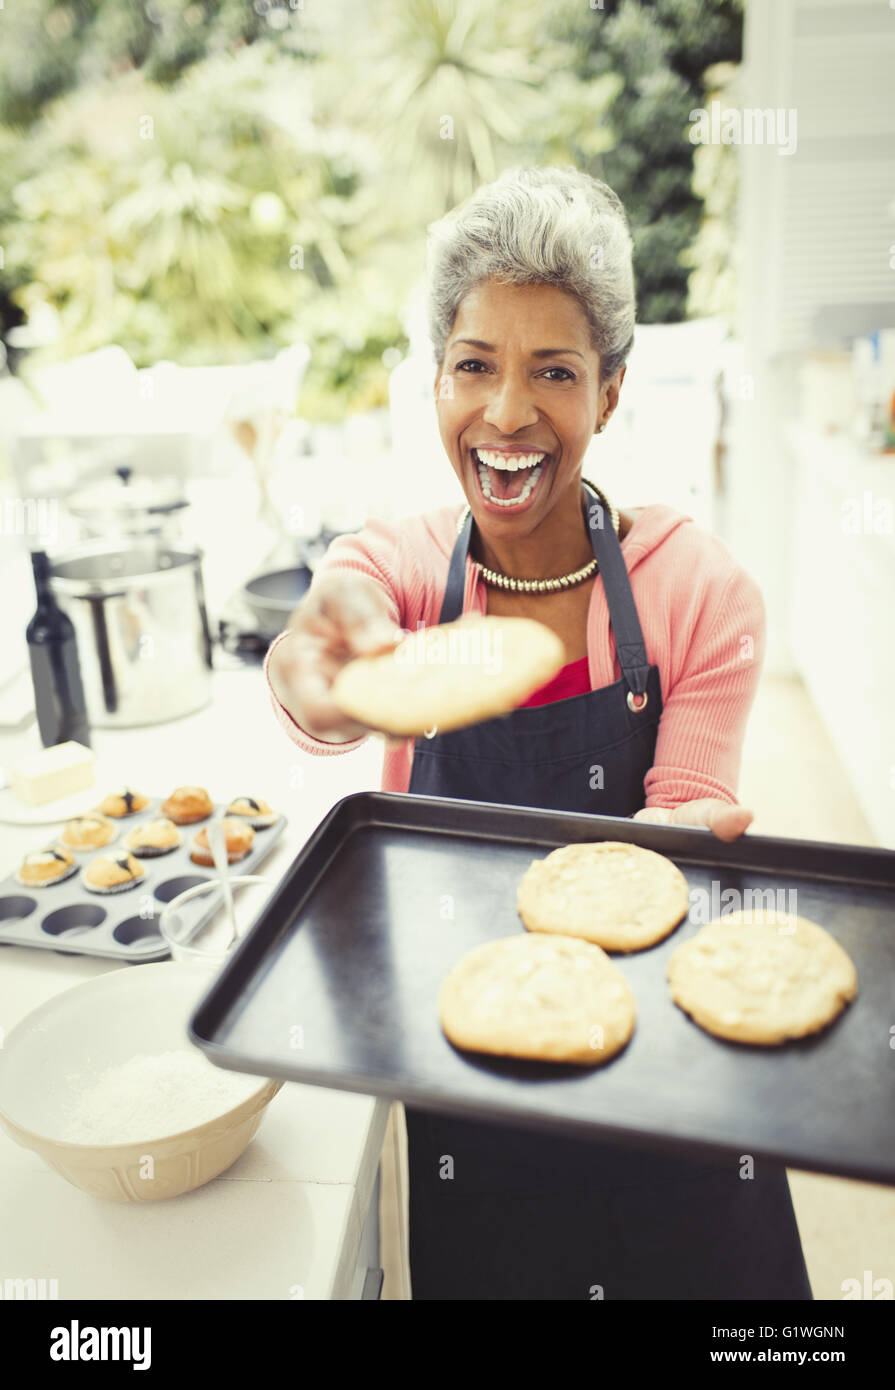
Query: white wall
x=815 y=230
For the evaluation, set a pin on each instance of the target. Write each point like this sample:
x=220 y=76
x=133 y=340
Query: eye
x=475 y=362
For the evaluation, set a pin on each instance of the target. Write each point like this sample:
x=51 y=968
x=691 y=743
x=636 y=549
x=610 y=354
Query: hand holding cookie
x=450 y=675
x=343 y=616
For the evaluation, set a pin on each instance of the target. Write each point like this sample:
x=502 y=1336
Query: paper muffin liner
x=209 y=862
x=111 y=887
x=152 y=851
x=256 y=822
x=50 y=882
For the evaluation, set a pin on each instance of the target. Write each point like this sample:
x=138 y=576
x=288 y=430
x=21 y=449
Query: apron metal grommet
x=430 y=733
x=632 y=706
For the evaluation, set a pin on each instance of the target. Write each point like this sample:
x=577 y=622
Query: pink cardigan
x=703 y=621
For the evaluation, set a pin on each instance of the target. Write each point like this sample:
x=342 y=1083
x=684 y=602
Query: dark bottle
x=55 y=673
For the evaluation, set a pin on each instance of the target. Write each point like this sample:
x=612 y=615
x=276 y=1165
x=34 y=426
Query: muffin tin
x=67 y=917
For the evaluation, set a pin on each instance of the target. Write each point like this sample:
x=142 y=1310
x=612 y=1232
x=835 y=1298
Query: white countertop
x=285 y=1221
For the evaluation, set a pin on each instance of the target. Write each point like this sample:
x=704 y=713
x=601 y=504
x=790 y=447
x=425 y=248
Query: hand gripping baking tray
x=67 y=917
x=337 y=984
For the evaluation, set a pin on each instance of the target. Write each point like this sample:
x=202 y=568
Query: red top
x=573 y=679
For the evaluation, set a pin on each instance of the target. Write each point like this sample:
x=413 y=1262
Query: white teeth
x=527 y=487
x=510 y=462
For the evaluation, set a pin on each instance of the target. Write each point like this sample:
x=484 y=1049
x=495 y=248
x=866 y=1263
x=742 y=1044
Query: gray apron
x=529 y=1215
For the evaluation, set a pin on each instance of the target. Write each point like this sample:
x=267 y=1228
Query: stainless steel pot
x=142 y=628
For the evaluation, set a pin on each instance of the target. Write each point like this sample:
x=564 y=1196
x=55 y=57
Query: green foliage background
x=209 y=181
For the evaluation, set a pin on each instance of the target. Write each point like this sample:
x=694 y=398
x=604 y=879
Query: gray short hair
x=553 y=226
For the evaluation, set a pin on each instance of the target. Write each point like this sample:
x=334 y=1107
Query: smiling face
x=512 y=397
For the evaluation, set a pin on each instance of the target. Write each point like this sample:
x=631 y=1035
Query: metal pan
x=337 y=982
x=273 y=597
x=68 y=918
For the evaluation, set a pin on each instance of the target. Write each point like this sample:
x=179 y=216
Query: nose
x=510 y=407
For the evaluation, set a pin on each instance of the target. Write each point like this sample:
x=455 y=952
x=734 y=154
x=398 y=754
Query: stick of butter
x=58 y=771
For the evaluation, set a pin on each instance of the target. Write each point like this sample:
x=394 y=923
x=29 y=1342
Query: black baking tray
x=337 y=983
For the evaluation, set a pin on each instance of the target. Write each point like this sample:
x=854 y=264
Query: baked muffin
x=238 y=838
x=123 y=802
x=152 y=837
x=255 y=812
x=42 y=867
x=90 y=831
x=112 y=873
x=187 y=804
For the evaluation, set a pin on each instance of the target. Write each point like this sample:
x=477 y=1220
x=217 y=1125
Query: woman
x=532 y=318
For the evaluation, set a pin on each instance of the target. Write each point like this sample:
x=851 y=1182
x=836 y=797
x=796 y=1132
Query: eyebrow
x=539 y=352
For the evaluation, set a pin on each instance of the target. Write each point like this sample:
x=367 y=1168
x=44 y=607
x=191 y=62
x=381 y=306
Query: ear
x=609 y=393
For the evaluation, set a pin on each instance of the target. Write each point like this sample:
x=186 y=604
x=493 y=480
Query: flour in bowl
x=151 y=1096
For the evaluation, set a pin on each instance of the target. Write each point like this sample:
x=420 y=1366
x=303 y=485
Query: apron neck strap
x=623 y=616
x=455 y=591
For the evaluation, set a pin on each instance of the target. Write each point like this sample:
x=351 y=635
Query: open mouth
x=508 y=481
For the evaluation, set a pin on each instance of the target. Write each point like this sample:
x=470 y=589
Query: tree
x=50 y=48
x=213 y=179
x=454 y=90
x=661 y=50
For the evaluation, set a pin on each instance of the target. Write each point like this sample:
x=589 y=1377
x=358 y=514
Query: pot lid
x=119 y=497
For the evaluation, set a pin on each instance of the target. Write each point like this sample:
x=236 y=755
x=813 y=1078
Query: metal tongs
x=217 y=843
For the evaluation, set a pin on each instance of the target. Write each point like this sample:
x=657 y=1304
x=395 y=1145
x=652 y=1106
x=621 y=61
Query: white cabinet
x=842 y=614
